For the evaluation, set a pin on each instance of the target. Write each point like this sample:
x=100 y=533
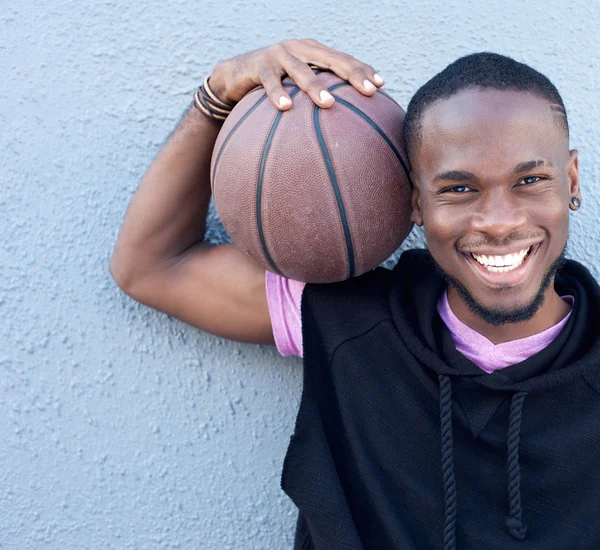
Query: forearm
x=167 y=213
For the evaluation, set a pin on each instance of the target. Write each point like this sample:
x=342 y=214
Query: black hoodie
x=402 y=442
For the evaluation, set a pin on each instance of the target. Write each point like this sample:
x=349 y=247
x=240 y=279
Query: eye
x=529 y=180
x=460 y=189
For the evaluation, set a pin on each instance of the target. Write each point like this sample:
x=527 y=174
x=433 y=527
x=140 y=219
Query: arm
x=160 y=258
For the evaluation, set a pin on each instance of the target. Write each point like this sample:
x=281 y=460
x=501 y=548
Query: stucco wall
x=120 y=426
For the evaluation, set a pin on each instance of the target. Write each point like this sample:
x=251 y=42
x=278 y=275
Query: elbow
x=120 y=275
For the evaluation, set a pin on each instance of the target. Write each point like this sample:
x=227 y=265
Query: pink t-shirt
x=284 y=297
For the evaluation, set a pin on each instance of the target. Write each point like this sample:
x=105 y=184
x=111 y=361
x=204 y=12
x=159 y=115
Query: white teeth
x=500 y=264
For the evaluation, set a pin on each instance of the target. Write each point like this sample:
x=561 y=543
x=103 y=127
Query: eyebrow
x=456 y=175
x=464 y=175
x=531 y=164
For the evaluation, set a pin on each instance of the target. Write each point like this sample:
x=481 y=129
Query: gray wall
x=122 y=427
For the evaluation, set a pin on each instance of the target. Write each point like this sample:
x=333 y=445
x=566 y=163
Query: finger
x=361 y=75
x=271 y=82
x=307 y=80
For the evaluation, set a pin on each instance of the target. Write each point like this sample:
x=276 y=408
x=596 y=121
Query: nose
x=499 y=214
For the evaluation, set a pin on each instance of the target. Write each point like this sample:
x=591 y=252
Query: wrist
x=218 y=84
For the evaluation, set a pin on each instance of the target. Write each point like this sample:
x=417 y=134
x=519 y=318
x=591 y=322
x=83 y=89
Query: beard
x=502 y=316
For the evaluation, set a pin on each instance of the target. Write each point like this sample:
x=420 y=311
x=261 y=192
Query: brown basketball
x=317 y=195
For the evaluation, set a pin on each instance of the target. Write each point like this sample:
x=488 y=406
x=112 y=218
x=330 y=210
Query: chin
x=501 y=313
x=516 y=305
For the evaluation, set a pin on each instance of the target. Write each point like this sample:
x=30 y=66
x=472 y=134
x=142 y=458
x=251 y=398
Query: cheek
x=562 y=231
x=443 y=229
x=443 y=226
x=552 y=212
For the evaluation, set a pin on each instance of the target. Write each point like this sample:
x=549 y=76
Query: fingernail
x=368 y=85
x=284 y=101
x=325 y=95
x=377 y=79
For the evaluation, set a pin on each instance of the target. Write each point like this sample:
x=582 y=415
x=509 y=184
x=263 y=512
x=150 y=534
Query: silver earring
x=575 y=203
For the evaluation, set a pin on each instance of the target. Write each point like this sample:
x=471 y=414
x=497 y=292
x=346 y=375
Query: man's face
x=494 y=177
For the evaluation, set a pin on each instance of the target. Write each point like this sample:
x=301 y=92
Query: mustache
x=487 y=240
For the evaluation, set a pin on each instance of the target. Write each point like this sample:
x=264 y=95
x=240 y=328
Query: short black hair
x=486 y=70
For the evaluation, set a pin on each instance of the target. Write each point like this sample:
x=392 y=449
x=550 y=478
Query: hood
x=572 y=353
x=415 y=291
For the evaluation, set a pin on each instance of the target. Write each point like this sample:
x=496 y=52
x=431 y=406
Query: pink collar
x=489 y=356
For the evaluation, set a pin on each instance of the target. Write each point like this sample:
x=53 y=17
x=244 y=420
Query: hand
x=234 y=78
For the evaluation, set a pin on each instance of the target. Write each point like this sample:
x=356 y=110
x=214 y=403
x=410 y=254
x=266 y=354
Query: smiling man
x=452 y=402
x=494 y=179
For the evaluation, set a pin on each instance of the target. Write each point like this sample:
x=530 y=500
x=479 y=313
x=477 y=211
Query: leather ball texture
x=316 y=195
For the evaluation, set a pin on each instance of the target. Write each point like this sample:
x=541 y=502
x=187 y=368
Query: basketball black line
x=259 y=185
x=385 y=94
x=380 y=92
x=335 y=86
x=374 y=124
x=336 y=190
x=239 y=122
x=378 y=130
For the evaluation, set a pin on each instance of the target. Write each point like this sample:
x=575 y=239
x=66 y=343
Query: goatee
x=502 y=316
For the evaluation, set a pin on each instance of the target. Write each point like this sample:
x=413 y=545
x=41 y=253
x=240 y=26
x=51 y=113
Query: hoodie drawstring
x=448 y=463
x=514 y=521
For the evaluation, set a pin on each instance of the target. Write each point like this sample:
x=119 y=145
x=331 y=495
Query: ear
x=417 y=214
x=573 y=174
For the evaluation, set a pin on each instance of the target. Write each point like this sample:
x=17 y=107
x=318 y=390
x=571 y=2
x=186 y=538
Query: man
x=449 y=403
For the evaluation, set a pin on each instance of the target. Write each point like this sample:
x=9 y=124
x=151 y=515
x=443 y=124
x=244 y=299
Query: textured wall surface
x=122 y=427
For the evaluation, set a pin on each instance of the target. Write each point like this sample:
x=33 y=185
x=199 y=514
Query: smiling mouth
x=502 y=264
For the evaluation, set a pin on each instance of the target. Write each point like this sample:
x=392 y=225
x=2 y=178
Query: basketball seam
x=374 y=124
x=376 y=127
x=261 y=173
x=336 y=190
x=385 y=94
x=226 y=140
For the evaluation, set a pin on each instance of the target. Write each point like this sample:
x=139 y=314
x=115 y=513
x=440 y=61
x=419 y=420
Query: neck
x=553 y=310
